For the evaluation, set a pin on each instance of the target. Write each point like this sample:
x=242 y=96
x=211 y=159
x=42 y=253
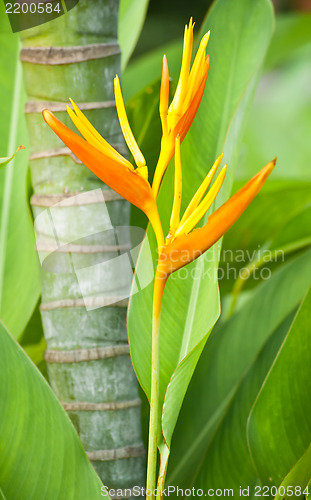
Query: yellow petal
x=197 y=71
x=96 y=134
x=201 y=210
x=200 y=192
x=125 y=126
x=177 y=103
x=175 y=217
x=94 y=141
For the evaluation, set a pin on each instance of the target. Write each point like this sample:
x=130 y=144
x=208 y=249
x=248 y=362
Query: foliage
x=40 y=453
x=132 y=14
x=19 y=270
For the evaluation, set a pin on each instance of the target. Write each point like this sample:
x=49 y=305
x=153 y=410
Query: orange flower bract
x=117 y=173
x=189 y=247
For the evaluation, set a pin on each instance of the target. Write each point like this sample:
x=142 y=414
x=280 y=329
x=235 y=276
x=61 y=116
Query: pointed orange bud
x=189 y=247
x=164 y=95
x=187 y=118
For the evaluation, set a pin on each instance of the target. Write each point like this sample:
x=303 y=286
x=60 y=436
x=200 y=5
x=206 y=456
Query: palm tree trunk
x=77 y=55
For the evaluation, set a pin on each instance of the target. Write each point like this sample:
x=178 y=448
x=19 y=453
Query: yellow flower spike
x=175 y=217
x=201 y=210
x=164 y=95
x=185 y=103
x=125 y=126
x=200 y=192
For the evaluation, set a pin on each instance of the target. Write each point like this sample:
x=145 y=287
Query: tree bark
x=77 y=56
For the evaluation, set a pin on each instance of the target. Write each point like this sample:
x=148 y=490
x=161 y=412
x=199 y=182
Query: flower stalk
x=154 y=424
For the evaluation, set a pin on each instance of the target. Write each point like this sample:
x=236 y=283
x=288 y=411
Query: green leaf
x=295 y=230
x=132 y=15
x=291 y=35
x=147 y=68
x=280 y=121
x=36 y=351
x=33 y=332
x=271 y=210
x=19 y=269
x=228 y=446
x=229 y=353
x=236 y=55
x=5 y=161
x=279 y=430
x=143 y=114
x=283 y=224
x=40 y=453
x=33 y=341
x=298 y=477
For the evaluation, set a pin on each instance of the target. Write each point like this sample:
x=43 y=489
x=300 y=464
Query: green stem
x=257 y=263
x=163 y=468
x=159 y=285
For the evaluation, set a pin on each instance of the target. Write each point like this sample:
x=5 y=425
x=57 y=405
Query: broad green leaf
x=143 y=114
x=287 y=231
x=5 y=161
x=227 y=462
x=296 y=230
x=292 y=34
x=279 y=429
x=230 y=352
x=33 y=341
x=33 y=332
x=36 y=351
x=297 y=479
x=268 y=213
x=281 y=93
x=40 y=453
x=19 y=269
x=132 y=15
x=236 y=55
x=280 y=121
x=5 y=26
x=147 y=68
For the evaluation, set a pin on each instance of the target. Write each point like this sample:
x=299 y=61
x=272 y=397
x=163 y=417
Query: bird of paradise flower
x=133 y=184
